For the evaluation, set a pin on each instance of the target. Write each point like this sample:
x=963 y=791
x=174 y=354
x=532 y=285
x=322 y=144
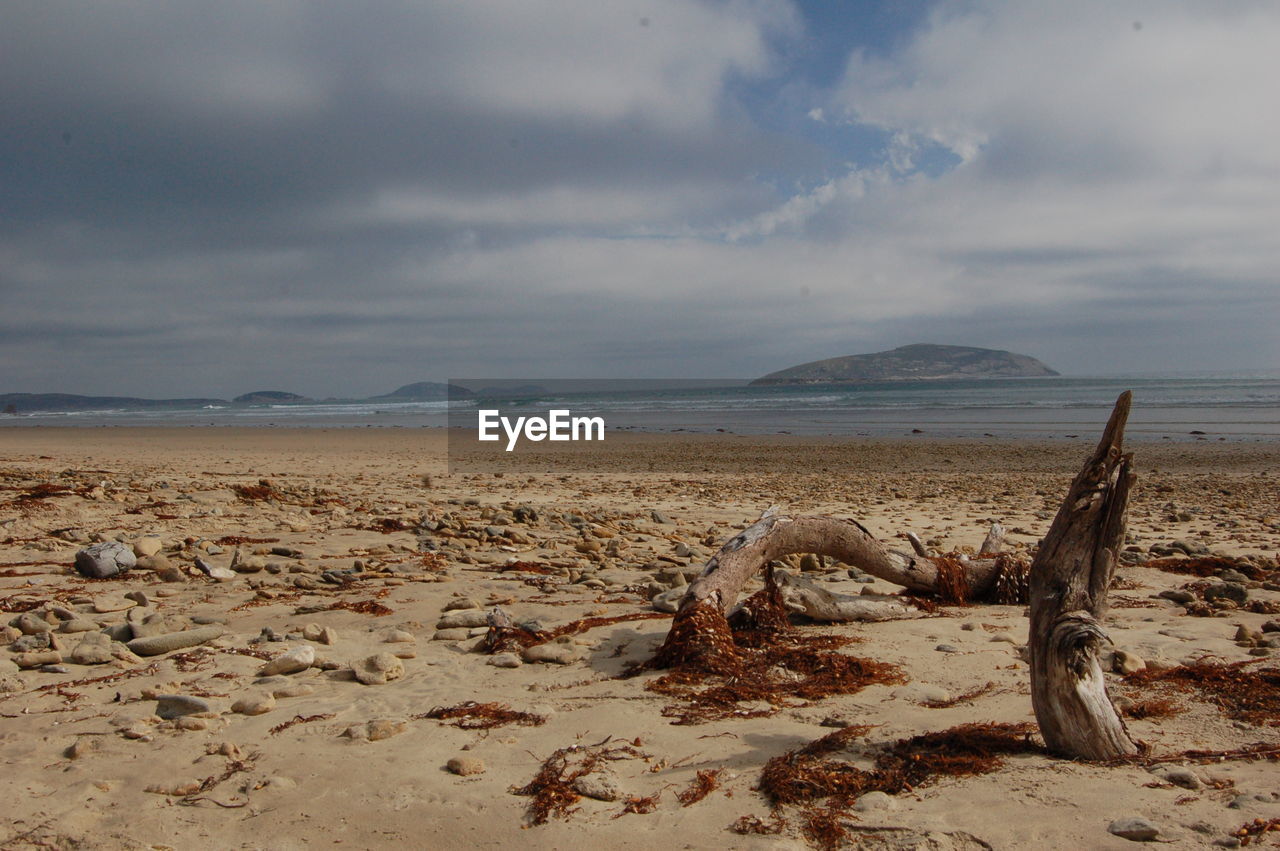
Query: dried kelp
x=1244 y=695
x=482 y=716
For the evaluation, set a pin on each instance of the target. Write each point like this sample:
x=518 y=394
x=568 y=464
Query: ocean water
x=1238 y=407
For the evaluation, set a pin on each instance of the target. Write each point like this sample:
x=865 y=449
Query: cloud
x=341 y=198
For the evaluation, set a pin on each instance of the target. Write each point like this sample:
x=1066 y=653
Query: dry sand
x=88 y=764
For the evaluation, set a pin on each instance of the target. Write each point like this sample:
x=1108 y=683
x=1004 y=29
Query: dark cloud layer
x=334 y=199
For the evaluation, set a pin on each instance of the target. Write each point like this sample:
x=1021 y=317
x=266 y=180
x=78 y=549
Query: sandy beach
x=358 y=557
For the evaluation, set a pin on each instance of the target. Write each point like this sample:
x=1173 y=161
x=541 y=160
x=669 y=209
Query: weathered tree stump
x=1069 y=579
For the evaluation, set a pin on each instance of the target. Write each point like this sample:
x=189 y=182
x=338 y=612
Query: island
x=917 y=362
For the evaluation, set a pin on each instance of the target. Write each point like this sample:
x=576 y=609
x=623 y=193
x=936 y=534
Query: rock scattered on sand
x=1135 y=828
x=465 y=766
x=105 y=560
x=1125 y=662
x=378 y=669
x=290 y=662
x=254 y=703
x=94 y=649
x=157 y=644
x=505 y=660
x=147 y=545
x=561 y=651
x=601 y=785
x=170 y=706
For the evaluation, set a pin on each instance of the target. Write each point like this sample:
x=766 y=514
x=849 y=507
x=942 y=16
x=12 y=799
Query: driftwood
x=1066 y=588
x=1069 y=579
x=774 y=536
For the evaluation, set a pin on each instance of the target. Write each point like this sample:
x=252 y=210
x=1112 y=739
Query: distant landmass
x=20 y=403
x=919 y=362
x=427 y=390
x=268 y=397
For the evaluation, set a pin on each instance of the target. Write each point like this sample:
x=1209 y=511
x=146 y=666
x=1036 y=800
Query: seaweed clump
x=482 y=716
x=552 y=789
x=1244 y=695
x=754 y=656
x=806 y=775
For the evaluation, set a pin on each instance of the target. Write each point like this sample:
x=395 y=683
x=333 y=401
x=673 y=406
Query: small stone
x=465 y=766
x=398 y=636
x=466 y=618
x=157 y=644
x=461 y=633
x=106 y=605
x=505 y=660
x=105 y=560
x=1184 y=777
x=94 y=649
x=293 y=690
x=384 y=728
x=37 y=658
x=1233 y=591
x=601 y=785
x=1125 y=662
x=1005 y=637
x=378 y=669
x=561 y=651
x=947 y=648
x=1178 y=595
x=1244 y=633
x=1135 y=828
x=659 y=517
x=254 y=703
x=148 y=545
x=875 y=801
x=291 y=662
x=29 y=623
x=458 y=603
x=177 y=705
x=190 y=724
x=810 y=563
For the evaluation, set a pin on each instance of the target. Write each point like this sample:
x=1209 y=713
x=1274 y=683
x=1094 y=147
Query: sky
x=337 y=198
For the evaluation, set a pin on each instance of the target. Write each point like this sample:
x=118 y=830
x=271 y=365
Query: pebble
x=106 y=605
x=601 y=785
x=190 y=724
x=1005 y=637
x=293 y=690
x=460 y=603
x=505 y=660
x=254 y=703
x=1134 y=827
x=37 y=658
x=398 y=636
x=465 y=766
x=1184 y=777
x=561 y=651
x=94 y=649
x=291 y=662
x=461 y=633
x=147 y=545
x=177 y=705
x=29 y=623
x=105 y=560
x=466 y=618
x=384 y=728
x=947 y=648
x=378 y=669
x=875 y=801
x=157 y=644
x=1124 y=662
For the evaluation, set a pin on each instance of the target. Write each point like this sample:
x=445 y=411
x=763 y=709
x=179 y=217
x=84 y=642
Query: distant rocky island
x=918 y=362
x=268 y=397
x=421 y=391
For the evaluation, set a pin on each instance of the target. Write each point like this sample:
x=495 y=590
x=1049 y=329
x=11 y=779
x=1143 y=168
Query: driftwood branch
x=774 y=536
x=1069 y=579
